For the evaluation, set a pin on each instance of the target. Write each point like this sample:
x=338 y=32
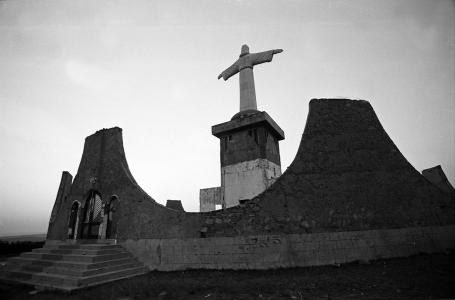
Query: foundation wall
x=293 y=250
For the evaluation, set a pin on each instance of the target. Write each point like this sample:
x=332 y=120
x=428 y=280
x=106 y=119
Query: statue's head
x=245 y=50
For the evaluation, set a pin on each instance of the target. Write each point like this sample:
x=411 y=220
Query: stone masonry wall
x=294 y=250
x=104 y=168
x=249 y=143
x=437 y=177
x=347 y=176
x=60 y=213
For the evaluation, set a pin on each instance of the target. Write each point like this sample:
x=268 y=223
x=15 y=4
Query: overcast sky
x=70 y=68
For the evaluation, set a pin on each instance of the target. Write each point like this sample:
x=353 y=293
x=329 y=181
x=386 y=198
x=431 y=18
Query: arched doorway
x=72 y=224
x=92 y=216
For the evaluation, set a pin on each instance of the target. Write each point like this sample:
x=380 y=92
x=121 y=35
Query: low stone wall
x=293 y=250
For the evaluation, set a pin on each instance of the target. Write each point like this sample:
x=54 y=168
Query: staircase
x=72 y=266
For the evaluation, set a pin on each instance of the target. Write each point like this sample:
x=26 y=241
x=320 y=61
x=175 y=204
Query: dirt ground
x=417 y=277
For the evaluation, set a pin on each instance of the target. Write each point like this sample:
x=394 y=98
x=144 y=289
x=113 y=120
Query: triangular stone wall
x=347 y=175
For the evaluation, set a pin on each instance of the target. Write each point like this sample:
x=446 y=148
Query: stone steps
x=75 y=251
x=66 y=264
x=82 y=247
x=75 y=257
x=72 y=266
x=71 y=281
x=78 y=272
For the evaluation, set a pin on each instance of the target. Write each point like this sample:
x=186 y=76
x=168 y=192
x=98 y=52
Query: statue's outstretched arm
x=263 y=57
x=232 y=70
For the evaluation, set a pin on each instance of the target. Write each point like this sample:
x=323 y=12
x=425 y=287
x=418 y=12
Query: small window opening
x=255 y=136
x=230 y=137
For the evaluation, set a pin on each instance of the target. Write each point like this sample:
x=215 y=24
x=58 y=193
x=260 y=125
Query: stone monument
x=244 y=66
x=249 y=150
x=348 y=195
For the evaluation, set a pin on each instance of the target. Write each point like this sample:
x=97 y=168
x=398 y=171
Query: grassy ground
x=418 y=277
x=14 y=247
x=39 y=237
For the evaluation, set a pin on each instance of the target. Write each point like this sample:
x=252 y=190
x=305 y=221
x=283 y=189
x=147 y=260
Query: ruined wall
x=437 y=177
x=60 y=205
x=104 y=168
x=347 y=176
x=175 y=204
x=293 y=250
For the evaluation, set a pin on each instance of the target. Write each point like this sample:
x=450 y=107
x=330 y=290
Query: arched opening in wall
x=92 y=216
x=72 y=224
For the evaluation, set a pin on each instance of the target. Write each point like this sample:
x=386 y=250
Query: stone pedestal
x=249 y=155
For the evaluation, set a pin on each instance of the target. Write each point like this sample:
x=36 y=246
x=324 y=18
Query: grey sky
x=69 y=68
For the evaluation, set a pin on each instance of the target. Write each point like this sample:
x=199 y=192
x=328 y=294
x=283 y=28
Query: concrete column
x=247 y=91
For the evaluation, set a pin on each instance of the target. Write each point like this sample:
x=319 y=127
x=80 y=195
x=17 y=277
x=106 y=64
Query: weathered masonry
x=347 y=176
x=437 y=176
x=250 y=159
x=348 y=195
x=249 y=155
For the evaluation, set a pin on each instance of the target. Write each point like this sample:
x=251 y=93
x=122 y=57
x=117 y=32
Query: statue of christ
x=244 y=66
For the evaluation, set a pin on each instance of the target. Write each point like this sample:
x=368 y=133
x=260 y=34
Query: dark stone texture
x=437 y=177
x=60 y=201
x=175 y=204
x=347 y=176
x=247 y=145
x=104 y=168
x=248 y=136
